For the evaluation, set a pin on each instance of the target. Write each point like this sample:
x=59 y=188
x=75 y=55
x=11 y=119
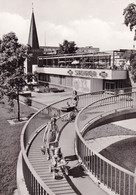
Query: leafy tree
x=12 y=77
x=67 y=47
x=130 y=21
x=130 y=16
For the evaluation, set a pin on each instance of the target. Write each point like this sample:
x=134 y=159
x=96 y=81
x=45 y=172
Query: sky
x=97 y=23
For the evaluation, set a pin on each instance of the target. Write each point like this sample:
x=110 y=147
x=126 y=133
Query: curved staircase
x=41 y=166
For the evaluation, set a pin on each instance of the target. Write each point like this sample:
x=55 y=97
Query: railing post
x=107 y=175
x=111 y=177
x=124 y=183
x=119 y=182
x=115 y=180
x=92 y=162
x=134 y=183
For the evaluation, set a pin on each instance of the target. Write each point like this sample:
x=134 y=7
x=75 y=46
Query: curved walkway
x=77 y=175
x=78 y=182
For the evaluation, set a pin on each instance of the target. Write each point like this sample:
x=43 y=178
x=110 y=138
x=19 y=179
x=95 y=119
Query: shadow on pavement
x=71 y=158
x=77 y=171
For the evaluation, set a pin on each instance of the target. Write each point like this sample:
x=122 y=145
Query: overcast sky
x=97 y=23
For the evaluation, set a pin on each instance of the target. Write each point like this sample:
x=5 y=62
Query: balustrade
x=116 y=178
x=103 y=169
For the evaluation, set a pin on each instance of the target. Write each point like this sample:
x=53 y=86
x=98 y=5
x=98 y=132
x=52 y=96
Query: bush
x=28 y=101
x=56 y=90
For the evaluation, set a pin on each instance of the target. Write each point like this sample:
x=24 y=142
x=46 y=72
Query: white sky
x=97 y=23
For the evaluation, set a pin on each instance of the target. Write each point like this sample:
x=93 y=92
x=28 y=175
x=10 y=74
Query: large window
x=110 y=85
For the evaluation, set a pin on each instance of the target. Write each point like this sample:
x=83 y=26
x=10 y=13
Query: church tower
x=33 y=42
x=33 y=38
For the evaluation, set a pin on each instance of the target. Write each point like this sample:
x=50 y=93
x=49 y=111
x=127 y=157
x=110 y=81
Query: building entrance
x=109 y=86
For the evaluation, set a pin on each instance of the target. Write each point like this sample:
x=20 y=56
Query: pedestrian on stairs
x=50 y=135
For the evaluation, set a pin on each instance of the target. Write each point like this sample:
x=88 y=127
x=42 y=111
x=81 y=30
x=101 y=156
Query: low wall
x=112 y=117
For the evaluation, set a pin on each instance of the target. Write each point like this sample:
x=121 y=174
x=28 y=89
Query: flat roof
x=75 y=55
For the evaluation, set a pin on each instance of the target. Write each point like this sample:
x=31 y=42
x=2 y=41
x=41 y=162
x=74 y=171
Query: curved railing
x=116 y=178
x=37 y=122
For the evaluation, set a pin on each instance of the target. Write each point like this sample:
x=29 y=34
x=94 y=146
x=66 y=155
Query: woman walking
x=50 y=135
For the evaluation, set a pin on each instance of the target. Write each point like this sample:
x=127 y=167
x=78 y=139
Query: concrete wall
x=115 y=116
x=85 y=73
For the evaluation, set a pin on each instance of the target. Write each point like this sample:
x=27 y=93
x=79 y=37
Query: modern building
x=87 y=70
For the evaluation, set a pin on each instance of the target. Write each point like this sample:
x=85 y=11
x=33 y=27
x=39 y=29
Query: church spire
x=32 y=7
x=33 y=38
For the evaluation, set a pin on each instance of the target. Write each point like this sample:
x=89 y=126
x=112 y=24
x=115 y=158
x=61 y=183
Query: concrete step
x=41 y=166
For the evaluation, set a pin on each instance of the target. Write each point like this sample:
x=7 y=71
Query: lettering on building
x=70 y=72
x=103 y=74
x=85 y=73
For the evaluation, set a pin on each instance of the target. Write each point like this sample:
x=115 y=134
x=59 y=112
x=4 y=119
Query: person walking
x=73 y=101
x=51 y=134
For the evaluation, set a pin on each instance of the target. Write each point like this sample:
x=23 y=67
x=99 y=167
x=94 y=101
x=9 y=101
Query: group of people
x=51 y=133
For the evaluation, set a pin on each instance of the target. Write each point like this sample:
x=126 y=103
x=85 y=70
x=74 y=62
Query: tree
x=67 y=47
x=130 y=17
x=130 y=21
x=12 y=77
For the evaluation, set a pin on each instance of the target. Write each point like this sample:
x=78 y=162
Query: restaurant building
x=87 y=70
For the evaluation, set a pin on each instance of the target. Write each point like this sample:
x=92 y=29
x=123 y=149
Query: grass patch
x=108 y=130
x=10 y=146
x=121 y=153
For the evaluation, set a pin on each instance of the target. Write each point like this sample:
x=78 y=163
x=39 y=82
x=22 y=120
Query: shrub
x=28 y=101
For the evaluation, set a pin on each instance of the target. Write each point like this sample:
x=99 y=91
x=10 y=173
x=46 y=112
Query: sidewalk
x=77 y=175
x=49 y=98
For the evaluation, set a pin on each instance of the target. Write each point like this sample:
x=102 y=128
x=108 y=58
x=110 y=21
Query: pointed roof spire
x=32 y=7
x=33 y=38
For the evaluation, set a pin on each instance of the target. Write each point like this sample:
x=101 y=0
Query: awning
x=61 y=62
x=75 y=62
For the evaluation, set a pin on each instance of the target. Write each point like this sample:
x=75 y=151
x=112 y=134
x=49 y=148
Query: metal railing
x=35 y=124
x=116 y=178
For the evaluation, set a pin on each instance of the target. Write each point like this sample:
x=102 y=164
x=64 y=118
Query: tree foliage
x=133 y=65
x=130 y=21
x=130 y=55
x=130 y=15
x=67 y=47
x=12 y=54
x=12 y=77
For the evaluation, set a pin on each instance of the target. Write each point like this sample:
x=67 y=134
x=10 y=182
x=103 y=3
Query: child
x=58 y=162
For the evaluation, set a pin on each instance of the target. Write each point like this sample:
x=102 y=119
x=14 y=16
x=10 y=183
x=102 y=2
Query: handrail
x=41 y=186
x=28 y=167
x=28 y=133
x=32 y=180
x=92 y=160
x=99 y=155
